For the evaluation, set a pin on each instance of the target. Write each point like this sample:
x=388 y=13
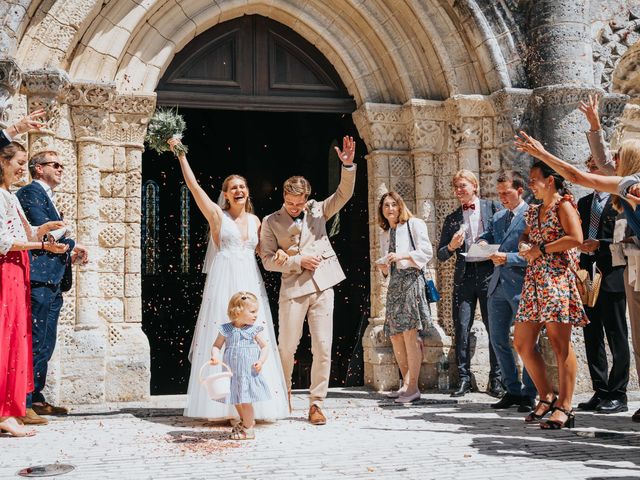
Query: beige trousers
x=633 y=303
x=317 y=307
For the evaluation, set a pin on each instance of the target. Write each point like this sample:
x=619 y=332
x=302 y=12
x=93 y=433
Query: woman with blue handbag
x=405 y=251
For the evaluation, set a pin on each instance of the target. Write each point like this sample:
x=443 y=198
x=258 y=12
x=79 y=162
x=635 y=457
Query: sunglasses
x=55 y=165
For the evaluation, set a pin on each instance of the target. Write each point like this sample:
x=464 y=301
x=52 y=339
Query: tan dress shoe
x=316 y=417
x=48 y=409
x=32 y=418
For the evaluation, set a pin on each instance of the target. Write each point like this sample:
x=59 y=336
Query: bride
x=231 y=266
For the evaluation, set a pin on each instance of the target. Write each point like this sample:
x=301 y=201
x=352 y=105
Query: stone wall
x=440 y=85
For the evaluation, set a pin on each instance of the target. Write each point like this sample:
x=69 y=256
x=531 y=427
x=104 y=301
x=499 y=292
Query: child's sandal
x=243 y=433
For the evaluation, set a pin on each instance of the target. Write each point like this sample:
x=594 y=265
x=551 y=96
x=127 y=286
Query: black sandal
x=557 y=424
x=533 y=417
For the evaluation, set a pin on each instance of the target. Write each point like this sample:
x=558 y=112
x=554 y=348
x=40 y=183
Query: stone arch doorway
x=260 y=101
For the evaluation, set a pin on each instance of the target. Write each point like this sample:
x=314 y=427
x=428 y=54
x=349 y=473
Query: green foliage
x=165 y=123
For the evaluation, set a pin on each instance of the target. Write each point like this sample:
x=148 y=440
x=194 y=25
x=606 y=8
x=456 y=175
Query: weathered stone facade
x=439 y=85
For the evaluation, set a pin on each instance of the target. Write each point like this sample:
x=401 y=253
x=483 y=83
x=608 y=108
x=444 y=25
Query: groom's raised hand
x=348 y=152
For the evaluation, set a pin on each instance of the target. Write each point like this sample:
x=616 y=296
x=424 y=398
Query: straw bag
x=588 y=288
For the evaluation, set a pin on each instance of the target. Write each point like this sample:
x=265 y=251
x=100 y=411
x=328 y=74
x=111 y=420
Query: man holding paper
x=505 y=287
x=50 y=276
x=461 y=229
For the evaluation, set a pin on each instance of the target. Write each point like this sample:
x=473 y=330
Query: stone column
x=10 y=80
x=46 y=89
x=84 y=374
x=561 y=64
x=389 y=167
x=128 y=359
x=426 y=127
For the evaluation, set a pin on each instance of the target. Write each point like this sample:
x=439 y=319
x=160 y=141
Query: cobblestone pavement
x=366 y=437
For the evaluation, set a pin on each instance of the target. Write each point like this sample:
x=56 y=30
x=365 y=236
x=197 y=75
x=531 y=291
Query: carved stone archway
x=437 y=86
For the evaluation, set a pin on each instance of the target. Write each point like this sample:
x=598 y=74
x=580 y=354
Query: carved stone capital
x=45 y=89
x=511 y=105
x=10 y=78
x=90 y=94
x=425 y=120
x=468 y=106
x=129 y=118
x=90 y=103
x=381 y=126
x=509 y=99
x=564 y=95
x=464 y=114
x=611 y=108
x=466 y=132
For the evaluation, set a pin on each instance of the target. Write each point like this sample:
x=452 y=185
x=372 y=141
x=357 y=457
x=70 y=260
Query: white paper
x=59 y=233
x=482 y=250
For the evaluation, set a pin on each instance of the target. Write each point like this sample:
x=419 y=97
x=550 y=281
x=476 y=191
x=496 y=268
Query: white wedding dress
x=230 y=269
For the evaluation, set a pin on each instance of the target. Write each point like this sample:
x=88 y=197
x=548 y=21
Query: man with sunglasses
x=50 y=275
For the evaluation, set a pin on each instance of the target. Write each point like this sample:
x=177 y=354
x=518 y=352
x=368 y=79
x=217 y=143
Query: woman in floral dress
x=550 y=297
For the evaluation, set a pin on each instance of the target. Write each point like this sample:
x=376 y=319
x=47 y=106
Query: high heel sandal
x=534 y=417
x=557 y=424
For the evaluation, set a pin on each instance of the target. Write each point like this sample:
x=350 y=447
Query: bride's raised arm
x=208 y=207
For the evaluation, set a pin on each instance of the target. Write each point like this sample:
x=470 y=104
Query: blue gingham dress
x=241 y=351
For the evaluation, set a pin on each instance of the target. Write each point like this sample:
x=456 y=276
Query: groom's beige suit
x=306 y=293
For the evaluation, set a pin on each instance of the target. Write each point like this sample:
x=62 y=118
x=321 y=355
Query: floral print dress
x=550 y=292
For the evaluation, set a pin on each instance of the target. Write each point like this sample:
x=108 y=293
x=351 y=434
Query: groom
x=309 y=270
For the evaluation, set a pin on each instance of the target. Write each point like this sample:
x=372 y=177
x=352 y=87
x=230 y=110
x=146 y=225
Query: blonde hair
x=248 y=206
x=628 y=164
x=296 y=186
x=469 y=176
x=404 y=213
x=239 y=301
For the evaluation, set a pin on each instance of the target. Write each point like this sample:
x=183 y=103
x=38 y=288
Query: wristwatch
x=543 y=248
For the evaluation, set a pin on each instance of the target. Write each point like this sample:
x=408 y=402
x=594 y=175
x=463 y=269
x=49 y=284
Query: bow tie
x=471 y=206
x=299 y=217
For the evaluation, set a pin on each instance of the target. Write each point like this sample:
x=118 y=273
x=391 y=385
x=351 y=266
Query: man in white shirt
x=50 y=276
x=460 y=230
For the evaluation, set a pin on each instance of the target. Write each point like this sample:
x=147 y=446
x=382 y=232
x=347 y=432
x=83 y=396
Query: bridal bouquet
x=165 y=124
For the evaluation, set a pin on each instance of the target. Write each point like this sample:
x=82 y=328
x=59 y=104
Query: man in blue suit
x=50 y=276
x=462 y=228
x=505 y=287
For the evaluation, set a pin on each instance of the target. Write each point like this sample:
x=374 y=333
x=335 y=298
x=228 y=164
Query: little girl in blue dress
x=245 y=352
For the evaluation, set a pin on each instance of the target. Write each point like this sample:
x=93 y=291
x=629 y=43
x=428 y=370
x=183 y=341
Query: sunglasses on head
x=56 y=165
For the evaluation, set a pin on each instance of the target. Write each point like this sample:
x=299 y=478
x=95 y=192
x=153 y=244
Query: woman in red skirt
x=16 y=237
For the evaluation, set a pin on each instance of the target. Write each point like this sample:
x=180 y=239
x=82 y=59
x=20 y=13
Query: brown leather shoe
x=316 y=417
x=32 y=418
x=48 y=409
